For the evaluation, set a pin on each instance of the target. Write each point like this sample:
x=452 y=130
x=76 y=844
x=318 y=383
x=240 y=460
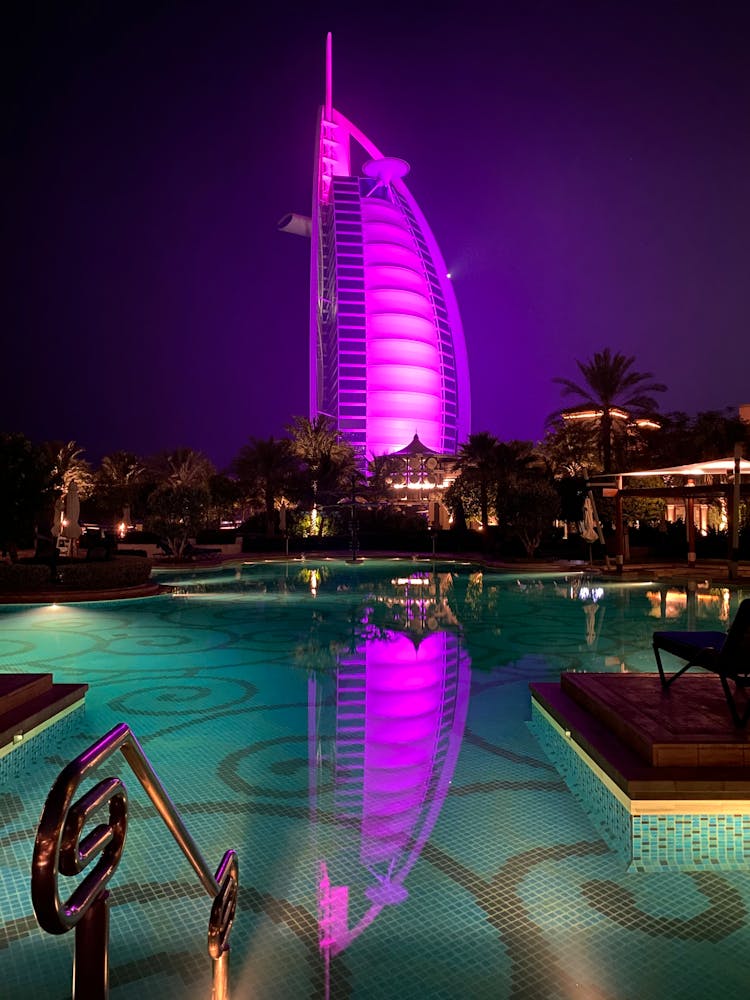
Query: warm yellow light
x=673 y=602
x=582 y=415
x=614 y=411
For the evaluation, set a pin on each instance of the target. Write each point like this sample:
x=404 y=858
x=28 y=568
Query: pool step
x=31 y=702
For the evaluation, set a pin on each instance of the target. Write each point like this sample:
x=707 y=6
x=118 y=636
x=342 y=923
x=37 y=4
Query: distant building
x=387 y=350
x=592 y=415
x=419 y=474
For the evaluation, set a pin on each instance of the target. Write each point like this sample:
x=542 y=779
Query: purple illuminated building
x=401 y=707
x=387 y=351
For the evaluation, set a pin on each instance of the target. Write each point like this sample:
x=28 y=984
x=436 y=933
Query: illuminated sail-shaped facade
x=385 y=733
x=387 y=351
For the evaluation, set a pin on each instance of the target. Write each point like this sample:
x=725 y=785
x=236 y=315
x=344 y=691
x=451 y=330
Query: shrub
x=177 y=512
x=123 y=571
x=20 y=577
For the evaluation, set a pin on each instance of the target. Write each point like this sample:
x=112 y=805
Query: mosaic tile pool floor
x=364 y=726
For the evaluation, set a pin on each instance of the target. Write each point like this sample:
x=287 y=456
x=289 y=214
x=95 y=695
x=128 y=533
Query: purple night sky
x=585 y=168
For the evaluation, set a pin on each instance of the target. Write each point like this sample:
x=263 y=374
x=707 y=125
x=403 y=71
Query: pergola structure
x=727 y=478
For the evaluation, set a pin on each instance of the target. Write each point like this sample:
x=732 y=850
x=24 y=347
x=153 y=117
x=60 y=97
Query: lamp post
x=734 y=555
x=353 y=526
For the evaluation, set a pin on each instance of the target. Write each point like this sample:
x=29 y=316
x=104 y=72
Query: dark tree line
x=516 y=487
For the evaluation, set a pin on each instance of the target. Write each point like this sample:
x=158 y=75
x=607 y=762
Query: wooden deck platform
x=30 y=702
x=654 y=744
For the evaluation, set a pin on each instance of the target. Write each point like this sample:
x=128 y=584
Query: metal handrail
x=60 y=849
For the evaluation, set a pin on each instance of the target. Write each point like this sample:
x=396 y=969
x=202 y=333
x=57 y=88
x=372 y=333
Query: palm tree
x=526 y=501
x=477 y=463
x=183 y=467
x=119 y=476
x=329 y=459
x=609 y=383
x=179 y=506
x=26 y=490
x=516 y=460
x=382 y=469
x=715 y=432
x=68 y=464
x=264 y=468
x=570 y=451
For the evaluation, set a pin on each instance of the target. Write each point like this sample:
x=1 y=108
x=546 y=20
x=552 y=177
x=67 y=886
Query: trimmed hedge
x=122 y=571
x=15 y=578
x=74 y=574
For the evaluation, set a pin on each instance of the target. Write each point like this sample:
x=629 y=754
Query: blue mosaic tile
x=512 y=891
x=41 y=744
x=652 y=842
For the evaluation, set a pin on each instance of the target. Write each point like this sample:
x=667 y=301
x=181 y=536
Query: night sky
x=584 y=166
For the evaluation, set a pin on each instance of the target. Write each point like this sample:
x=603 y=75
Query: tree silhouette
x=265 y=467
x=327 y=459
x=26 y=490
x=610 y=383
x=68 y=463
x=477 y=462
x=118 y=479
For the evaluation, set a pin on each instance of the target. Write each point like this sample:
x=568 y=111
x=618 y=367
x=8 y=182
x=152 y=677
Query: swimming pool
x=359 y=735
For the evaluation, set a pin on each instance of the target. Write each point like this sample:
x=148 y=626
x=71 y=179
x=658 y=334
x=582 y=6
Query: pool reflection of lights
x=325 y=726
x=590 y=593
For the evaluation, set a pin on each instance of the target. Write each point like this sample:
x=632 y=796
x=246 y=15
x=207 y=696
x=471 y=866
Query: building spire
x=329 y=78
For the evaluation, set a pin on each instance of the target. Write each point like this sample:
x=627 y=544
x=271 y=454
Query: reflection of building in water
x=384 y=741
x=696 y=602
x=418 y=602
x=592 y=633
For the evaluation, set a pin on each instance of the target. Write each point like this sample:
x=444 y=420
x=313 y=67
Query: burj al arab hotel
x=387 y=351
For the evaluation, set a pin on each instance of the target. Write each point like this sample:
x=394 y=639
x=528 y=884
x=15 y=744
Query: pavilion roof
x=415 y=447
x=715 y=467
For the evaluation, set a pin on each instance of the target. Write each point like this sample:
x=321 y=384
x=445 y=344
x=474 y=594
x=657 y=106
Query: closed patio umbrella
x=589 y=532
x=588 y=525
x=72 y=528
x=57 y=517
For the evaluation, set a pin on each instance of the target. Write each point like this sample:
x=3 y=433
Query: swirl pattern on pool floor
x=470 y=869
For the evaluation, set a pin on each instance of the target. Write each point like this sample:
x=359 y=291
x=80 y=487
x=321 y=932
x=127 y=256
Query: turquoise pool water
x=359 y=734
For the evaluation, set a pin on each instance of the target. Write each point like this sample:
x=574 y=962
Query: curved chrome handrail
x=58 y=848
